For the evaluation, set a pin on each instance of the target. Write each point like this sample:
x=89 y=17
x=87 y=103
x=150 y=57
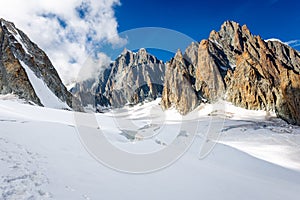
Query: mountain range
x=232 y=64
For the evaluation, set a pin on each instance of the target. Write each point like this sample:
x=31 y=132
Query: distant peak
x=230 y=25
x=194 y=44
x=142 y=50
x=125 y=51
x=230 y=28
x=229 y=22
x=178 y=55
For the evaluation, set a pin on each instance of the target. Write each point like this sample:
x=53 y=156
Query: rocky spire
x=242 y=68
x=178 y=90
x=232 y=64
x=131 y=78
x=125 y=51
x=23 y=66
x=178 y=55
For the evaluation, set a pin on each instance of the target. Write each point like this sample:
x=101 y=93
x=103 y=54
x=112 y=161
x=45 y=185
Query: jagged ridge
x=244 y=69
x=131 y=78
x=232 y=64
x=20 y=56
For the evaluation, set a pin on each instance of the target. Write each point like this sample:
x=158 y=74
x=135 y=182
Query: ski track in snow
x=22 y=176
x=41 y=156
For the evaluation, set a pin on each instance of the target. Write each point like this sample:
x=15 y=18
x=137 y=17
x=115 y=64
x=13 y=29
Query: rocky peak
x=131 y=78
x=142 y=56
x=178 y=56
x=191 y=53
x=26 y=71
x=140 y=78
x=178 y=88
x=191 y=56
x=232 y=64
x=244 y=69
x=142 y=52
x=231 y=38
x=262 y=70
x=125 y=51
x=230 y=27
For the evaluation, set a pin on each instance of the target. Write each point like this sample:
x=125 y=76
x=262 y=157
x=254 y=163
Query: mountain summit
x=242 y=68
x=25 y=70
x=232 y=64
x=130 y=79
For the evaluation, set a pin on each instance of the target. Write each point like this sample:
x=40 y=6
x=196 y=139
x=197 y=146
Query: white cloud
x=293 y=43
x=92 y=67
x=66 y=30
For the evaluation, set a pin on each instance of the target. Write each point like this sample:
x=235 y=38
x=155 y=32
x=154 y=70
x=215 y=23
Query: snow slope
x=46 y=96
x=42 y=157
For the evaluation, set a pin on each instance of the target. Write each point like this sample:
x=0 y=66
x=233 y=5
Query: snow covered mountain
x=235 y=65
x=26 y=71
x=131 y=78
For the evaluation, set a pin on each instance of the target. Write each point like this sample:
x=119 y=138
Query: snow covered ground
x=42 y=155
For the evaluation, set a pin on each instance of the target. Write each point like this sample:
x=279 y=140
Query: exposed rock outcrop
x=208 y=76
x=18 y=53
x=231 y=64
x=130 y=79
x=266 y=74
x=178 y=90
x=242 y=68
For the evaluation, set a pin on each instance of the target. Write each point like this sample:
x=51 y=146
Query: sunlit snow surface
x=41 y=155
x=46 y=96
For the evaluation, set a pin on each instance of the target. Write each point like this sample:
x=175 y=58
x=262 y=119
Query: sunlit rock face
x=178 y=86
x=237 y=66
x=132 y=78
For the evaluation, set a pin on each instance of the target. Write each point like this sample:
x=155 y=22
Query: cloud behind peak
x=67 y=30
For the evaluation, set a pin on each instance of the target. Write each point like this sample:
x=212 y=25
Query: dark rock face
x=13 y=78
x=178 y=89
x=16 y=48
x=131 y=78
x=242 y=68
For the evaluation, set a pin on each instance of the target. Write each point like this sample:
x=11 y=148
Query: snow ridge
x=46 y=96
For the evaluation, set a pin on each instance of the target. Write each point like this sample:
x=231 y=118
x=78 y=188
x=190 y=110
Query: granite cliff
x=235 y=65
x=132 y=78
x=26 y=71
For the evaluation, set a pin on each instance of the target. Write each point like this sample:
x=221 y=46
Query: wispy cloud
x=67 y=30
x=293 y=43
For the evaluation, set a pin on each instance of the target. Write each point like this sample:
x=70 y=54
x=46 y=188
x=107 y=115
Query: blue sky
x=270 y=19
x=71 y=31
